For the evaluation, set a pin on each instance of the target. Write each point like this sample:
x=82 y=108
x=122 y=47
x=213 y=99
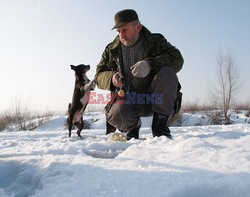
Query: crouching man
x=139 y=64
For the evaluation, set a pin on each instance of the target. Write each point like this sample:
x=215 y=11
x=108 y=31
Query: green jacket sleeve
x=162 y=53
x=104 y=72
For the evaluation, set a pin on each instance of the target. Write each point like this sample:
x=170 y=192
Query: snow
x=205 y=161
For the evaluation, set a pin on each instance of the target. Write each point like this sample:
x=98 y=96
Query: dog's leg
x=80 y=127
x=69 y=123
x=90 y=86
x=69 y=119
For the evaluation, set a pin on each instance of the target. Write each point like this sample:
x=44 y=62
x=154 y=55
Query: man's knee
x=123 y=117
x=164 y=78
x=167 y=74
x=165 y=83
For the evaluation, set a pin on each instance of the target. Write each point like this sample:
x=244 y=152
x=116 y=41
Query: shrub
x=21 y=118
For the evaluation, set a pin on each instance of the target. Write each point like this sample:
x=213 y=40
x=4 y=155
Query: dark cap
x=123 y=17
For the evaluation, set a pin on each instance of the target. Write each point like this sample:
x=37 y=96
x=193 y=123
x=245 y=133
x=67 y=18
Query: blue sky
x=39 y=39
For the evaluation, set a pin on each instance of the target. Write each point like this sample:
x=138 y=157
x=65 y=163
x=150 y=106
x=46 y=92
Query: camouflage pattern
x=157 y=51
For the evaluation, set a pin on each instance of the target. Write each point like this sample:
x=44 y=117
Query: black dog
x=80 y=98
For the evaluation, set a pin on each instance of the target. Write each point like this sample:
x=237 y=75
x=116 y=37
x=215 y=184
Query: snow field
x=200 y=161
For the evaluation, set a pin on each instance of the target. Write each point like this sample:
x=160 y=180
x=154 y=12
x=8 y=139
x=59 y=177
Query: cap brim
x=120 y=25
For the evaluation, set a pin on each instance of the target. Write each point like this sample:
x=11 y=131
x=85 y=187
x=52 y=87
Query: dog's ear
x=73 y=67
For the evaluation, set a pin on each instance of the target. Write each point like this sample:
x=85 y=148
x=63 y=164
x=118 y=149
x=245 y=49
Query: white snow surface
x=202 y=161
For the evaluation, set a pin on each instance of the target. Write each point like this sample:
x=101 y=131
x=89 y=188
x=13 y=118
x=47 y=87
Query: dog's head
x=80 y=72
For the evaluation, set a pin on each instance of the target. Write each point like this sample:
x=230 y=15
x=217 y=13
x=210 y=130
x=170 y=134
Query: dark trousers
x=125 y=114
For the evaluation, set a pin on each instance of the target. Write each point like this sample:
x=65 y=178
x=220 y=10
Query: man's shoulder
x=113 y=44
x=153 y=37
x=157 y=37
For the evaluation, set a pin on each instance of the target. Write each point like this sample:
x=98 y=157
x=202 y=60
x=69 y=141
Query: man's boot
x=159 y=126
x=109 y=128
x=134 y=133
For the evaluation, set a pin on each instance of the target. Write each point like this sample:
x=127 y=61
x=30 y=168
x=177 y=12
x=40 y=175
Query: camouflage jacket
x=157 y=51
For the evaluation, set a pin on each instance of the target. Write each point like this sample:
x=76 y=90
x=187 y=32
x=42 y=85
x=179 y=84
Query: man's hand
x=141 y=69
x=117 y=79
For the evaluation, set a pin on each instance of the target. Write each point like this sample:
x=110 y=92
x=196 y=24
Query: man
x=144 y=66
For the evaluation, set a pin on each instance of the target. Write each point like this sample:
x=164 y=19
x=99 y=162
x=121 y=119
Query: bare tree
x=227 y=83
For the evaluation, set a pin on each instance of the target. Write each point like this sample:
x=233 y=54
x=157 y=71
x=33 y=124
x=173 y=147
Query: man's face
x=129 y=33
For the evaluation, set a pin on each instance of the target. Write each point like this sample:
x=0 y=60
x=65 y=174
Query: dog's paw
x=93 y=85
x=90 y=86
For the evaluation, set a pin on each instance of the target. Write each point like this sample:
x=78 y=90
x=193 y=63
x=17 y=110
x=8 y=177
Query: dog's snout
x=87 y=68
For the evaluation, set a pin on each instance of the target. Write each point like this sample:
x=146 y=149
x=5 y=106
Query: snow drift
x=199 y=161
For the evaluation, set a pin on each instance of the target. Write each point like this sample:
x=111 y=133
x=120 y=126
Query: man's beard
x=131 y=42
